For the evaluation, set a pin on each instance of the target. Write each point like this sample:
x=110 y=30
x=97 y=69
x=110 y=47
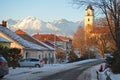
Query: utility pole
x=68 y=49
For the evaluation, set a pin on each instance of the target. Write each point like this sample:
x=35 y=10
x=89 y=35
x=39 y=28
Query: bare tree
x=107 y=7
x=78 y=40
x=103 y=40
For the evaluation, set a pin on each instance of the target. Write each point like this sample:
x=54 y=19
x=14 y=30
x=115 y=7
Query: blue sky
x=46 y=10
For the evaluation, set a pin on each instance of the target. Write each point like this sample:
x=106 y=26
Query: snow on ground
x=37 y=73
x=27 y=73
x=102 y=75
x=115 y=76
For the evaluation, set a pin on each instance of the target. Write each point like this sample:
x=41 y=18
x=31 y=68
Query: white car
x=31 y=62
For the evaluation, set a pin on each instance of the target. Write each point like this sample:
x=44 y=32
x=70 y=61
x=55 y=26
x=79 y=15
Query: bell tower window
x=88 y=14
x=88 y=19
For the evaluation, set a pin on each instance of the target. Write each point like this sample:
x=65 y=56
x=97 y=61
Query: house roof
x=47 y=37
x=20 y=32
x=100 y=30
x=26 y=44
x=50 y=44
x=64 y=38
x=31 y=39
x=4 y=40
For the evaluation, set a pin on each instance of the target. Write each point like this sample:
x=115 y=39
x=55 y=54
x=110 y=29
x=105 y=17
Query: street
x=69 y=71
x=66 y=75
x=72 y=74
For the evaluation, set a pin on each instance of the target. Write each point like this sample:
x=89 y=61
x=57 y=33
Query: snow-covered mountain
x=32 y=25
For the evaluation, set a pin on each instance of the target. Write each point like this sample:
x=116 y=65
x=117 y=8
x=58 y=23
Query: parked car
x=31 y=62
x=3 y=67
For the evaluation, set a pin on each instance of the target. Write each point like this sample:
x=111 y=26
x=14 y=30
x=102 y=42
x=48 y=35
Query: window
x=88 y=14
x=34 y=60
x=88 y=19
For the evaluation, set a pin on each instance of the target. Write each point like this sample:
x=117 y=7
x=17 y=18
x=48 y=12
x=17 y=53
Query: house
x=60 y=43
x=67 y=42
x=67 y=45
x=49 y=51
x=28 y=48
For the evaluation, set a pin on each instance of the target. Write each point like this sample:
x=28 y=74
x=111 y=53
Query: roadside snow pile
x=104 y=75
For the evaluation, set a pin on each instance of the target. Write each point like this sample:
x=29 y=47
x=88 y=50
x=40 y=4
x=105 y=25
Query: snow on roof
x=29 y=38
x=45 y=44
x=15 y=37
x=4 y=40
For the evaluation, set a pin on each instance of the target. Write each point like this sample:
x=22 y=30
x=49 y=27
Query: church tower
x=89 y=20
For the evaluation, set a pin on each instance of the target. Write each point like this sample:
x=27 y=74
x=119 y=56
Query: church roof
x=89 y=7
x=100 y=30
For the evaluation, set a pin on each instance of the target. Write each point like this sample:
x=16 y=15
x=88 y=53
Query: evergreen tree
x=14 y=56
x=72 y=56
x=4 y=52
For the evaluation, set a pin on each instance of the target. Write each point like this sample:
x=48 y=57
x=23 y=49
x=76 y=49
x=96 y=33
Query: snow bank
x=102 y=75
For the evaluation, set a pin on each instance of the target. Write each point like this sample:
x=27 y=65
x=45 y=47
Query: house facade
x=46 y=53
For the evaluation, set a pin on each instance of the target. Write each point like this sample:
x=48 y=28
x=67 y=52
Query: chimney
x=4 y=23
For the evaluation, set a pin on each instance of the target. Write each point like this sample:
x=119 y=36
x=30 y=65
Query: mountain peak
x=32 y=25
x=61 y=21
x=64 y=20
x=31 y=17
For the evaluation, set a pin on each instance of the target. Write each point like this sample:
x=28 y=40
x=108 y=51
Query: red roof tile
x=19 y=31
x=47 y=37
x=64 y=38
x=27 y=37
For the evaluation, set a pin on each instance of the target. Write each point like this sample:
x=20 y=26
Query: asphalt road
x=72 y=74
